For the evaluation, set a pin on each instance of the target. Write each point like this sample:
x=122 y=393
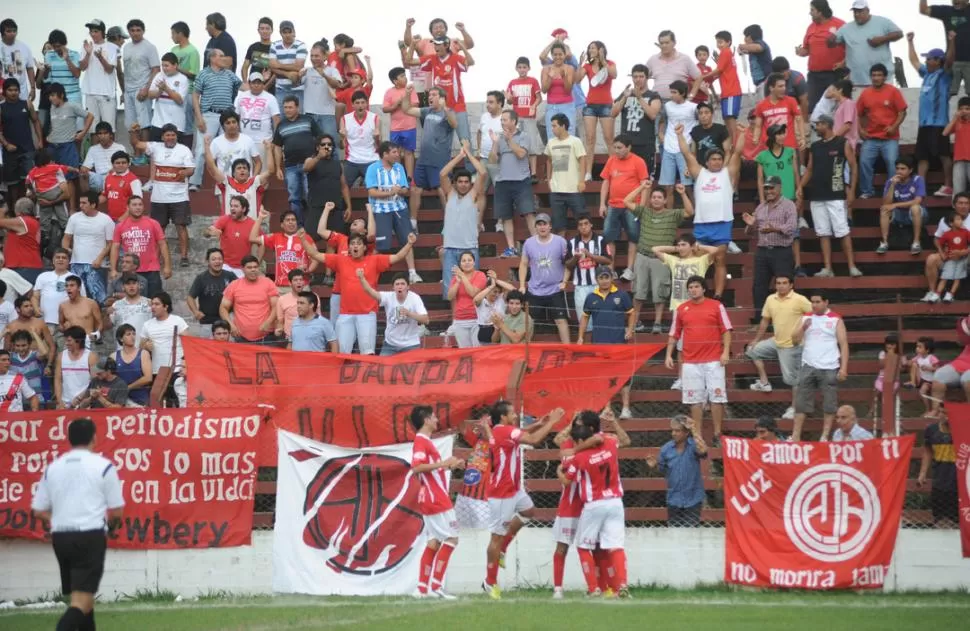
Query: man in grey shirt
x=513 y=184
x=140 y=63
x=311 y=331
x=437 y=133
x=867 y=38
x=463 y=213
x=64 y=132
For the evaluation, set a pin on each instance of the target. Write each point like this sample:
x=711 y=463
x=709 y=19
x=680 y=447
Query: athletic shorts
x=547 y=308
x=564 y=529
x=80 y=556
x=830 y=218
x=601 y=524
x=730 y=106
x=931 y=143
x=406 y=139
x=427 y=177
x=442 y=526
x=502 y=509
x=716 y=233
x=703 y=383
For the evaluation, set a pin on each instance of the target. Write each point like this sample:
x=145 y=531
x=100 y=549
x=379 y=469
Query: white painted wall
x=924 y=560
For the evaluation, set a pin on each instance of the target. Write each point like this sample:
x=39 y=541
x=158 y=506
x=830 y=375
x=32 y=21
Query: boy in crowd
x=954 y=249
x=524 y=95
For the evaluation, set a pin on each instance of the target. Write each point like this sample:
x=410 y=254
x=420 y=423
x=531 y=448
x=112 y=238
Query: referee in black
x=80 y=496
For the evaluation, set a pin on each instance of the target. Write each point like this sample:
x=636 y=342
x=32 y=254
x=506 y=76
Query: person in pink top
x=404 y=128
x=252 y=301
x=669 y=65
x=845 y=116
x=286 y=305
x=600 y=73
x=466 y=283
x=143 y=236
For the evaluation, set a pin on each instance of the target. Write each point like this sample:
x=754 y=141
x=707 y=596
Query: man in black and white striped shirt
x=586 y=251
x=79 y=496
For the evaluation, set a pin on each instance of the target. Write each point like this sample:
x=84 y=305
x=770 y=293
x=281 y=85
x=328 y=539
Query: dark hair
x=724 y=36
x=54 y=89
x=515 y=294
x=754 y=32
x=461 y=172
x=110 y=365
x=964 y=101
x=696 y=279
x=385 y=147
x=845 y=87
x=12 y=82
x=583 y=218
x=499 y=96
x=704 y=105
x=501 y=407
x=240 y=161
x=266 y=21
x=963 y=194
x=702 y=49
x=343 y=39
x=56 y=37
x=513 y=115
x=21 y=336
x=906 y=161
x=667 y=33
x=686 y=237
x=395 y=73
x=774 y=78
x=91 y=196
x=822 y=6
x=641 y=68
x=181 y=28
x=590 y=419
x=400 y=276
x=562 y=120
x=120 y=155
x=952 y=216
x=289 y=98
x=103 y=126
x=286 y=213
x=523 y=61
x=132 y=199
x=228 y=115
x=171 y=58
x=679 y=86
x=419 y=414
x=293 y=273
x=60 y=251
x=767 y=423
x=164 y=298
x=19 y=301
x=81 y=431
x=170 y=128
x=359 y=95
x=780 y=64
x=212 y=251
x=242 y=200
x=436 y=21
x=821 y=293
x=787 y=276
x=122 y=330
x=893 y=338
x=357 y=237
x=135 y=23
x=217 y=20
x=221 y=324
x=8 y=23
x=249 y=258
x=928 y=343
x=76 y=333
x=559 y=45
x=879 y=68
x=4 y=352
x=311 y=298
x=624 y=139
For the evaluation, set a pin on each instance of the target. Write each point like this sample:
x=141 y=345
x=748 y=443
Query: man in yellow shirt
x=784 y=309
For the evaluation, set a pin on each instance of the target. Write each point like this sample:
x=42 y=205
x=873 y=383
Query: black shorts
x=80 y=556
x=178 y=213
x=944 y=504
x=931 y=143
x=485 y=334
x=649 y=155
x=547 y=308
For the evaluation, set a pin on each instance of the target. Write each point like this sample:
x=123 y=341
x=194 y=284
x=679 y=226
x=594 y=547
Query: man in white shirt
x=98 y=83
x=157 y=336
x=132 y=308
x=77 y=495
x=849 y=428
x=50 y=291
x=259 y=113
x=14 y=388
x=17 y=285
x=97 y=162
x=140 y=64
x=233 y=145
x=490 y=125
x=88 y=237
x=170 y=91
x=16 y=60
x=405 y=314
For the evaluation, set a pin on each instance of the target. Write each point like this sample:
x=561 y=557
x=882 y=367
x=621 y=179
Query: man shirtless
x=43 y=341
x=80 y=311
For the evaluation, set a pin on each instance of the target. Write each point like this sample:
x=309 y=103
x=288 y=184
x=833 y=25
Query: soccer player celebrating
x=509 y=506
x=434 y=503
x=595 y=468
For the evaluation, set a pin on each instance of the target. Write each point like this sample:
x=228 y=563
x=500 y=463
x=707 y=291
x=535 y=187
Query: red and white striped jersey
x=506 y=476
x=433 y=498
x=597 y=471
x=570 y=503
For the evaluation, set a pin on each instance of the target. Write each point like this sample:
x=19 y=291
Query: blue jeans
x=93 y=279
x=212 y=129
x=569 y=109
x=296 y=189
x=872 y=148
x=620 y=219
x=328 y=125
x=361 y=328
x=387 y=350
x=334 y=307
x=451 y=259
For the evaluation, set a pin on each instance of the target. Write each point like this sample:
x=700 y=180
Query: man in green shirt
x=515 y=327
x=189 y=65
x=658 y=226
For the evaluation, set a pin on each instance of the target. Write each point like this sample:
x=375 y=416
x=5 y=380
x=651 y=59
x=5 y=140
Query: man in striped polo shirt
x=387 y=190
x=287 y=55
x=215 y=92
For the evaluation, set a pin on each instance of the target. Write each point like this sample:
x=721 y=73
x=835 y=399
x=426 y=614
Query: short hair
x=590 y=419
x=12 y=82
x=437 y=21
x=640 y=68
x=704 y=105
x=265 y=20
x=823 y=294
x=724 y=36
x=221 y=324
x=953 y=216
x=212 y=251
x=311 y=298
x=171 y=58
x=461 y=172
x=400 y=276
x=523 y=61
x=60 y=251
x=170 y=128
x=123 y=330
x=964 y=101
x=287 y=213
x=74 y=279
x=698 y=280
x=667 y=33
x=20 y=301
x=226 y=116
x=907 y=161
x=962 y=194
x=562 y=120
x=780 y=64
x=787 y=276
x=359 y=95
x=420 y=414
x=104 y=126
x=135 y=23
x=56 y=37
x=879 y=68
x=289 y=98
x=515 y=294
x=120 y=155
x=767 y=423
x=582 y=218
x=181 y=28
x=754 y=32
x=928 y=342
x=91 y=196
x=240 y=161
x=76 y=333
x=327 y=136
x=134 y=257
x=679 y=86
x=164 y=298
x=54 y=89
x=501 y=407
x=293 y=273
x=702 y=49
x=513 y=115
x=624 y=140
x=774 y=78
x=845 y=87
x=357 y=237
x=395 y=73
x=8 y=23
x=249 y=258
x=81 y=432
x=110 y=365
x=23 y=206
x=679 y=421
x=686 y=238
x=217 y=20
x=499 y=96
x=242 y=200
x=386 y=146
x=21 y=336
x=440 y=91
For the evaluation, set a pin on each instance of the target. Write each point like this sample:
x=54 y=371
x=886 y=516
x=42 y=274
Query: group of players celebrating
x=590 y=514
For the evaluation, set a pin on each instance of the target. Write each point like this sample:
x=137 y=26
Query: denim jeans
x=387 y=350
x=296 y=189
x=328 y=125
x=93 y=279
x=617 y=219
x=872 y=148
x=361 y=328
x=569 y=109
x=451 y=259
x=212 y=129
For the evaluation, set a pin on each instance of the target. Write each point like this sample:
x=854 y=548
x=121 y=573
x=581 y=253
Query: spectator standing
x=956 y=19
x=256 y=59
x=326 y=187
x=17 y=120
x=567 y=164
x=88 y=237
x=465 y=283
x=99 y=63
x=79 y=310
x=387 y=189
x=775 y=221
x=287 y=56
x=319 y=81
x=679 y=462
x=882 y=110
x=867 y=38
x=543 y=263
x=587 y=251
x=141 y=63
x=446 y=69
x=120 y=185
x=848 y=427
x=513 y=183
x=337 y=242
x=670 y=65
x=132 y=309
x=783 y=163
x=238 y=180
x=233 y=232
x=760 y=55
x=295 y=141
x=676 y=111
x=622 y=173
x=21 y=247
x=287 y=247
x=515 y=326
x=129 y=265
x=189 y=65
x=398 y=100
x=831 y=195
x=286 y=306
x=600 y=72
x=489 y=126
x=934 y=110
x=259 y=114
x=16 y=60
x=780 y=109
x=231 y=145
x=727 y=74
x=134 y=365
x=144 y=237
x=62 y=65
x=795 y=85
x=959 y=126
x=557 y=83
x=638 y=108
x=311 y=332
x=158 y=335
x=707 y=134
x=48 y=187
x=252 y=302
x=27 y=362
x=73 y=368
x=524 y=94
x=404 y=313
x=825 y=63
x=205 y=294
x=219 y=39
x=214 y=92
x=50 y=290
x=938 y=451
x=463 y=213
x=64 y=134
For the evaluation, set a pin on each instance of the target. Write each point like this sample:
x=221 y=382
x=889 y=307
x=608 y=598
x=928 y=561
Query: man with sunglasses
x=326 y=184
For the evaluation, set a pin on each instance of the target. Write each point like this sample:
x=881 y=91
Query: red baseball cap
x=560 y=31
x=360 y=72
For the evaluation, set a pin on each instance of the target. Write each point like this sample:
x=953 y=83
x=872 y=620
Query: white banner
x=347 y=522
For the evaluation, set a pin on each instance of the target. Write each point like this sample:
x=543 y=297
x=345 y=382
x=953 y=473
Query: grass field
x=717 y=611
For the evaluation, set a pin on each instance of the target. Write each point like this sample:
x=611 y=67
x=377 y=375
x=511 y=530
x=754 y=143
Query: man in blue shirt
x=934 y=111
x=613 y=320
x=311 y=331
x=679 y=461
x=387 y=190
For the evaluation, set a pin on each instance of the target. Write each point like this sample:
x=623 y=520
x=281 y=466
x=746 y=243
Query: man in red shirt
x=727 y=73
x=703 y=328
x=509 y=506
x=241 y=181
x=825 y=64
x=434 y=503
x=338 y=243
x=22 y=244
x=882 y=110
x=779 y=109
x=445 y=69
x=233 y=231
x=119 y=186
x=252 y=301
x=623 y=172
x=286 y=245
x=143 y=236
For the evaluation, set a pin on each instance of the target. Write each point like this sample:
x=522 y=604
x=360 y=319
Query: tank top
x=557 y=94
x=828 y=170
x=130 y=373
x=23 y=250
x=713 y=197
x=360 y=138
x=820 y=346
x=75 y=375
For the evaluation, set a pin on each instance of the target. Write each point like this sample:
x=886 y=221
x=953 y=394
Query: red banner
x=360 y=401
x=188 y=476
x=813 y=515
x=959 y=417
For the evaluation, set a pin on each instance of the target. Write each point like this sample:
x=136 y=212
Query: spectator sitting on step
x=766 y=429
x=465 y=282
x=221 y=331
x=515 y=326
x=961 y=204
x=848 y=426
x=489 y=302
x=955 y=374
x=954 y=245
x=679 y=462
x=902 y=204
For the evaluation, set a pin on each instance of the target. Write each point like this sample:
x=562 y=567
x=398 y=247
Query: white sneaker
x=789 y=413
x=627 y=274
x=557 y=593
x=758 y=386
x=947 y=297
x=733 y=248
x=626 y=413
x=419 y=594
x=443 y=595
x=931 y=297
x=499 y=226
x=802 y=224
x=855 y=272
x=414 y=277
x=675 y=385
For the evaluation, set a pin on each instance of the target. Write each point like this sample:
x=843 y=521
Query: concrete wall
x=924 y=560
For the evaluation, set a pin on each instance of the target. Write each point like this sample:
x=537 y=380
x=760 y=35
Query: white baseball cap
x=860 y=5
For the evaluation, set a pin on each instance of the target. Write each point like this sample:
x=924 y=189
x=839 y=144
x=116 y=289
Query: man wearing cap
x=132 y=308
x=956 y=19
x=934 y=112
x=259 y=113
x=99 y=63
x=287 y=55
x=141 y=64
x=215 y=91
x=543 y=263
x=613 y=320
x=867 y=38
x=446 y=68
x=775 y=221
x=117 y=36
x=106 y=390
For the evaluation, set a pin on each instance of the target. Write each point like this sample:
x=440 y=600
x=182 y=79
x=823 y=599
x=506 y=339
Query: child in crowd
x=922 y=368
x=488 y=302
x=892 y=345
x=960 y=128
x=727 y=74
x=702 y=54
x=524 y=95
x=954 y=250
x=361 y=80
x=404 y=128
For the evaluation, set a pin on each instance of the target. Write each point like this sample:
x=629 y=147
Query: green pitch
x=716 y=611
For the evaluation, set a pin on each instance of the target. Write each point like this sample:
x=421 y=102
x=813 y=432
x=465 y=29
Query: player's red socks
x=491 y=573
x=427 y=561
x=603 y=570
x=588 y=564
x=506 y=542
x=558 y=568
x=618 y=561
x=441 y=565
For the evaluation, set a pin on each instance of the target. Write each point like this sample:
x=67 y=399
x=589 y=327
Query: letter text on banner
x=188 y=476
x=813 y=515
x=959 y=416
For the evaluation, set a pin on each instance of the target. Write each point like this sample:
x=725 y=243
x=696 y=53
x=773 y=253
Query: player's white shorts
x=442 y=526
x=472 y=513
x=701 y=383
x=502 y=510
x=603 y=523
x=564 y=529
